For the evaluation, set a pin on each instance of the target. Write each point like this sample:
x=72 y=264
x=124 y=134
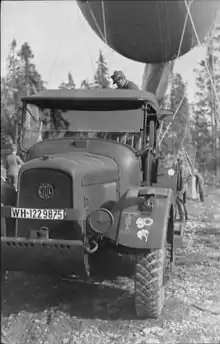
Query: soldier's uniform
x=199 y=185
x=183 y=178
x=122 y=83
x=13 y=163
x=129 y=85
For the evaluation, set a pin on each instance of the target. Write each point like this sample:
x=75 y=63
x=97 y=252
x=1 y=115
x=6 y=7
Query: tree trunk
x=218 y=144
x=194 y=191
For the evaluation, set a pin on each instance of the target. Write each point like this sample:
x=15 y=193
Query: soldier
x=13 y=163
x=183 y=178
x=199 y=184
x=122 y=83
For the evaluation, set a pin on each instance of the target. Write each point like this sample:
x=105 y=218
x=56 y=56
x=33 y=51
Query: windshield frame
x=120 y=121
x=121 y=133
x=21 y=125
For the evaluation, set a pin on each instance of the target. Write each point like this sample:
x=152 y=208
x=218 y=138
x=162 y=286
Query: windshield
x=40 y=124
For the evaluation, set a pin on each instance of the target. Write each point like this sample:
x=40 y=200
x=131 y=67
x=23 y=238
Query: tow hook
x=92 y=249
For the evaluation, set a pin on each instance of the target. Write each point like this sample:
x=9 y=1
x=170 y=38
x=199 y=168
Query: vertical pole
x=194 y=191
x=27 y=93
x=190 y=164
x=14 y=94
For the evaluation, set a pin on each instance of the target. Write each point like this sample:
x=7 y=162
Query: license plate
x=37 y=214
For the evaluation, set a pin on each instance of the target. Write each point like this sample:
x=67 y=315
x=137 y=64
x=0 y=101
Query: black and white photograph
x=110 y=172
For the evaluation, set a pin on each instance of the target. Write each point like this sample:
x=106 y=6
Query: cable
x=179 y=51
x=185 y=131
x=95 y=21
x=160 y=129
x=168 y=127
x=104 y=22
x=184 y=29
x=58 y=53
x=103 y=36
x=205 y=61
x=199 y=42
x=89 y=53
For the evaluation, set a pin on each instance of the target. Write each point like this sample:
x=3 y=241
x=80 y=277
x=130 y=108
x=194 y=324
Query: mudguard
x=43 y=256
x=142 y=218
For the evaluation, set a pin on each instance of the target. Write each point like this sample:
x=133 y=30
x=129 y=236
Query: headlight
x=171 y=172
x=101 y=220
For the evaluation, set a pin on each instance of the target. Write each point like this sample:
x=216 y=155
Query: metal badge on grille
x=45 y=191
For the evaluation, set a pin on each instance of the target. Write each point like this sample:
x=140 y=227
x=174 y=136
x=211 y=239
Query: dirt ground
x=43 y=310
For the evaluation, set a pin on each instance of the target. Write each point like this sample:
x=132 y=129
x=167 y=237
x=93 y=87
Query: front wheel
x=149 y=284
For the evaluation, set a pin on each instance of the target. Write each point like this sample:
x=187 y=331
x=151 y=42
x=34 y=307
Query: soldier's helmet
x=117 y=75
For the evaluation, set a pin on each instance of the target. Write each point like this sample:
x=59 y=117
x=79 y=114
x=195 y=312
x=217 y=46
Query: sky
x=63 y=42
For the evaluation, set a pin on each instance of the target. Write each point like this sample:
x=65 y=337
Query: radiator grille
x=62 y=197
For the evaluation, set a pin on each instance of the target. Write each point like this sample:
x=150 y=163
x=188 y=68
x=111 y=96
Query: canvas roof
x=107 y=99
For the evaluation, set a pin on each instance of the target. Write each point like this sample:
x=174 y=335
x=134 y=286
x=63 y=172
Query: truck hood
x=87 y=168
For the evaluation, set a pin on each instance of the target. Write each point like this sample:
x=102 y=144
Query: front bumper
x=43 y=256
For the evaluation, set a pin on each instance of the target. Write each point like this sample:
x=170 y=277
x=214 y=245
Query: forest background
x=196 y=127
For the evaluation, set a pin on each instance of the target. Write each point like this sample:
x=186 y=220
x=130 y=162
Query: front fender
x=146 y=230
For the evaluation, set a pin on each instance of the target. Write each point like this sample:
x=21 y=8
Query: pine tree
x=9 y=94
x=29 y=79
x=206 y=111
x=70 y=84
x=22 y=78
x=85 y=84
x=101 y=77
x=178 y=135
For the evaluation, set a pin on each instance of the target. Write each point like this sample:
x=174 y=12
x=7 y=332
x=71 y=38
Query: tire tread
x=149 y=284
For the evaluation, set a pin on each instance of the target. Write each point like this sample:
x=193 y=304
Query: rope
x=160 y=129
x=185 y=131
x=89 y=53
x=188 y=7
x=58 y=54
x=184 y=29
x=168 y=127
x=206 y=64
x=104 y=22
x=189 y=162
x=3 y=179
x=96 y=23
x=179 y=51
x=103 y=36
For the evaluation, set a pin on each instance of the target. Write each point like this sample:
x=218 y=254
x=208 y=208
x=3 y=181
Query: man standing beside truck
x=182 y=184
x=199 y=184
x=13 y=164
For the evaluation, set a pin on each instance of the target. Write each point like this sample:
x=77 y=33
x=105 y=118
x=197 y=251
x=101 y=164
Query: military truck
x=92 y=184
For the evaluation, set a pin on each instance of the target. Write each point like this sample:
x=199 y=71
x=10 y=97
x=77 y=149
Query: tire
x=149 y=284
